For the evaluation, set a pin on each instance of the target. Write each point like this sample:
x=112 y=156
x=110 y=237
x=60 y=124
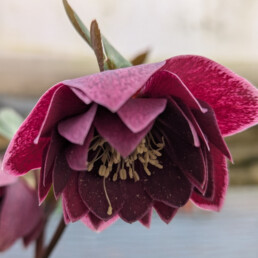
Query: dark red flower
x=20 y=215
x=118 y=143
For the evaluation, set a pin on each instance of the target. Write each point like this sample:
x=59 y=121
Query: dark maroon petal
x=146 y=220
x=168 y=185
x=96 y=224
x=165 y=212
x=61 y=174
x=233 y=99
x=77 y=155
x=186 y=156
x=75 y=208
x=112 y=129
x=91 y=189
x=217 y=184
x=64 y=103
x=22 y=154
x=138 y=113
x=209 y=125
x=20 y=213
x=136 y=201
x=76 y=128
x=45 y=182
x=67 y=219
x=124 y=82
x=165 y=83
x=55 y=146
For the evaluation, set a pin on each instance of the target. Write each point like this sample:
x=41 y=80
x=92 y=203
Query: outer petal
x=6 y=179
x=165 y=212
x=22 y=154
x=76 y=129
x=112 y=129
x=234 y=99
x=124 y=82
x=138 y=113
x=217 y=186
x=20 y=214
x=146 y=220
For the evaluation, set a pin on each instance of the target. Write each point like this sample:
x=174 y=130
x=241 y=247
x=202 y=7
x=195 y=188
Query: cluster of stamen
x=147 y=152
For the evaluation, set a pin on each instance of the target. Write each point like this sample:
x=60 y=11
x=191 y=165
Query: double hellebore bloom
x=122 y=142
x=20 y=215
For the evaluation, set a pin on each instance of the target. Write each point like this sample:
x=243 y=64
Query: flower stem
x=39 y=244
x=58 y=233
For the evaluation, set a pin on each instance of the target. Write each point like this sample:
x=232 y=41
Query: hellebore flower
x=118 y=143
x=20 y=215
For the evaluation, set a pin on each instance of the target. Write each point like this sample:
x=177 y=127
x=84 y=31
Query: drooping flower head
x=20 y=215
x=118 y=143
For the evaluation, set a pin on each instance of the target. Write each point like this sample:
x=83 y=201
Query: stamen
x=109 y=211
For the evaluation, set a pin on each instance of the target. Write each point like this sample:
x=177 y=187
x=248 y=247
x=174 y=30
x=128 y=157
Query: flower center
x=147 y=152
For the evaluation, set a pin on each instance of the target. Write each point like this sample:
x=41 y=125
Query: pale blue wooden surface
x=232 y=233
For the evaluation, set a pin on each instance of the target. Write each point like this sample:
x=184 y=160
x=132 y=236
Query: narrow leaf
x=10 y=121
x=141 y=58
x=96 y=43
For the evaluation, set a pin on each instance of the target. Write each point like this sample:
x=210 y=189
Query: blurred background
x=39 y=47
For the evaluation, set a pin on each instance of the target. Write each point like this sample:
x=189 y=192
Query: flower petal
x=233 y=99
x=92 y=191
x=168 y=185
x=218 y=183
x=75 y=208
x=20 y=214
x=146 y=220
x=77 y=155
x=137 y=202
x=22 y=154
x=165 y=212
x=96 y=224
x=138 y=113
x=165 y=83
x=6 y=179
x=113 y=130
x=124 y=82
x=75 y=129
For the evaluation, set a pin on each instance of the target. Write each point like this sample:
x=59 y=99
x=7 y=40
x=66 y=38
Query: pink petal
x=77 y=155
x=113 y=130
x=6 y=179
x=19 y=215
x=22 y=154
x=136 y=201
x=95 y=224
x=66 y=217
x=92 y=192
x=81 y=95
x=75 y=129
x=233 y=99
x=219 y=183
x=165 y=212
x=63 y=104
x=164 y=83
x=124 y=82
x=138 y=113
x=75 y=208
x=146 y=220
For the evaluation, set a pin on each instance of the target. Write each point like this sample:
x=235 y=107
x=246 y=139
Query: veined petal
x=112 y=129
x=124 y=82
x=76 y=128
x=138 y=113
x=217 y=183
x=233 y=99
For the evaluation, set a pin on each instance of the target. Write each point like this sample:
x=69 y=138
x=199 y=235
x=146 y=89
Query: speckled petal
x=124 y=82
x=138 y=113
x=233 y=99
x=136 y=201
x=77 y=155
x=217 y=184
x=76 y=128
x=111 y=128
x=165 y=212
x=91 y=189
x=75 y=208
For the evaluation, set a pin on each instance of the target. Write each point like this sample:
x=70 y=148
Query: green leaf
x=10 y=121
x=111 y=53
